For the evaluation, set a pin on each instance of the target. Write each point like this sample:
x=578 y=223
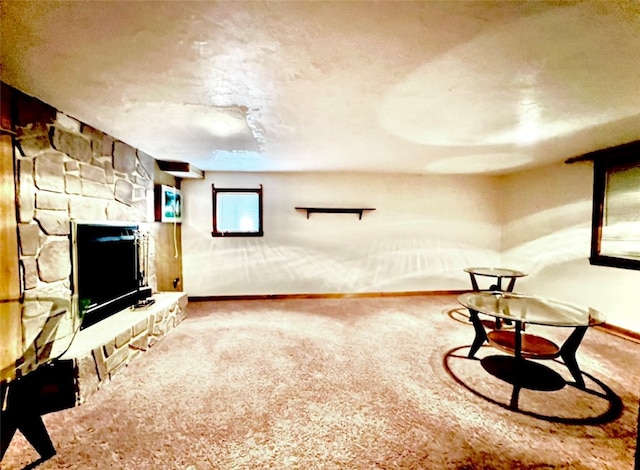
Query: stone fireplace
x=67 y=171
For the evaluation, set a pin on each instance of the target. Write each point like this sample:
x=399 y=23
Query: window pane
x=615 y=228
x=621 y=212
x=237 y=212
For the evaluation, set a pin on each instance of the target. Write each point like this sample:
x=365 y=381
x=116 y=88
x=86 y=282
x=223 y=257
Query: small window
x=237 y=212
x=616 y=208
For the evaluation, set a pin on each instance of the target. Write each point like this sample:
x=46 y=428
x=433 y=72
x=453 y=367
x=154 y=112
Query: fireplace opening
x=108 y=269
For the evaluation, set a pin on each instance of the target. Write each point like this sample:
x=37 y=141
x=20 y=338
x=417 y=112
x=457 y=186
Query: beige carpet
x=360 y=383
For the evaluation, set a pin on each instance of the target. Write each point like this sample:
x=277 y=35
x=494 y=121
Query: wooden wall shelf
x=336 y=210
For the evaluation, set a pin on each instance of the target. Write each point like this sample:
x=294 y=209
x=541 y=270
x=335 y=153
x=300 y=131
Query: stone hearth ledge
x=97 y=353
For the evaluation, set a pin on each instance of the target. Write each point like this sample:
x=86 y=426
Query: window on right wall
x=615 y=235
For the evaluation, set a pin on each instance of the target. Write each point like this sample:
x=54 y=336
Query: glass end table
x=497 y=273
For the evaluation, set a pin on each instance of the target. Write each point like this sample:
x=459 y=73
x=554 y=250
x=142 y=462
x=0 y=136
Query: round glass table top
x=495 y=272
x=531 y=309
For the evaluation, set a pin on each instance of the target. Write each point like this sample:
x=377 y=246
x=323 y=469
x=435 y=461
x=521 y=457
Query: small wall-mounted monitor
x=168 y=204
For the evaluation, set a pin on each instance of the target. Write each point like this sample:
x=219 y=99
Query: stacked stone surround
x=66 y=170
x=97 y=354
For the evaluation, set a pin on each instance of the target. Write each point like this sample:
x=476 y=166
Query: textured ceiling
x=417 y=87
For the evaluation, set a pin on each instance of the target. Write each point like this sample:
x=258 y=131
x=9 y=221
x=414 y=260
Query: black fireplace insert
x=107 y=270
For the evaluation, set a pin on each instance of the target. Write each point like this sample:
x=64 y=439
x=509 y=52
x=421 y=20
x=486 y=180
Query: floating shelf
x=336 y=210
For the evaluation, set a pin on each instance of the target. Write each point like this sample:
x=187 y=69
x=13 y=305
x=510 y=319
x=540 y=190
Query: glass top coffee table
x=522 y=309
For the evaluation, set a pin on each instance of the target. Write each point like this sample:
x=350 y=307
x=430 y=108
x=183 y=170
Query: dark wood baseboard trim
x=324 y=296
x=621 y=332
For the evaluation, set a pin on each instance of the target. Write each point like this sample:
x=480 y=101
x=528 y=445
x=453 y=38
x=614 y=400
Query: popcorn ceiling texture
x=352 y=383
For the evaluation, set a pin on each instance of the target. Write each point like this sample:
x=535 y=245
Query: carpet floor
x=352 y=383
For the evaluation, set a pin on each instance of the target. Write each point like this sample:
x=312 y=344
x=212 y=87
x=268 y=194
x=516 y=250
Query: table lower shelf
x=532 y=346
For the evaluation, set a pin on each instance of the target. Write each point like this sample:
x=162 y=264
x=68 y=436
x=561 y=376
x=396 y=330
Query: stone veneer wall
x=66 y=170
x=96 y=356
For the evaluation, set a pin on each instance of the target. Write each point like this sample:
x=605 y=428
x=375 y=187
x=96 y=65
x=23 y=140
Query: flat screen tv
x=106 y=269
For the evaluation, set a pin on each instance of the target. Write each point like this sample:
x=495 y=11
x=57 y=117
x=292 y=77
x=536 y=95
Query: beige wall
x=546 y=220
x=424 y=231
